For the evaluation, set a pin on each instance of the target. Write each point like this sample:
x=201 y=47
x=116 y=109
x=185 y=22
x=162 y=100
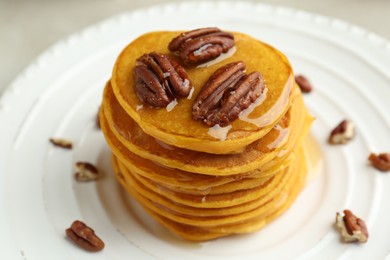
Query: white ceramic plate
x=59 y=94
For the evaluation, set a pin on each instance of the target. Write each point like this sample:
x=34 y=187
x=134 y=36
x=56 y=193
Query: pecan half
x=63 y=143
x=201 y=44
x=342 y=133
x=86 y=172
x=380 y=161
x=227 y=92
x=84 y=236
x=352 y=228
x=160 y=79
x=303 y=83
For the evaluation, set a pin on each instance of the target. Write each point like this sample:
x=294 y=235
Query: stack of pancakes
x=205 y=182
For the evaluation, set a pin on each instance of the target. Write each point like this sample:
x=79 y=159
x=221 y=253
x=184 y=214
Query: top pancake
x=177 y=127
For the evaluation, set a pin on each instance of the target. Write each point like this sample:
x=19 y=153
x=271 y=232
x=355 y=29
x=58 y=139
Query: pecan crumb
x=343 y=133
x=303 y=83
x=63 y=143
x=86 y=172
x=380 y=161
x=84 y=236
x=352 y=228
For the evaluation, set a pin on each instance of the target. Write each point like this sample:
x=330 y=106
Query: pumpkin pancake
x=176 y=127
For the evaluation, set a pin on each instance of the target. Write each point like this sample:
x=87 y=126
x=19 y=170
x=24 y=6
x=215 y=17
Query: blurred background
x=28 y=27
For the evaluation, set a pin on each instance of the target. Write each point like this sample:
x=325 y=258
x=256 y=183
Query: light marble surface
x=28 y=27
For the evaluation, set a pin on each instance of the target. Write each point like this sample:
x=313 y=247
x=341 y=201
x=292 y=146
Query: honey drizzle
x=269 y=117
x=221 y=57
x=314 y=158
x=219 y=132
x=281 y=139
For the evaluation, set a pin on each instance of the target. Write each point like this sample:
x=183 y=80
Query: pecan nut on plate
x=352 y=228
x=380 y=161
x=227 y=92
x=84 y=236
x=303 y=83
x=342 y=133
x=86 y=171
x=60 y=142
x=160 y=79
x=201 y=44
